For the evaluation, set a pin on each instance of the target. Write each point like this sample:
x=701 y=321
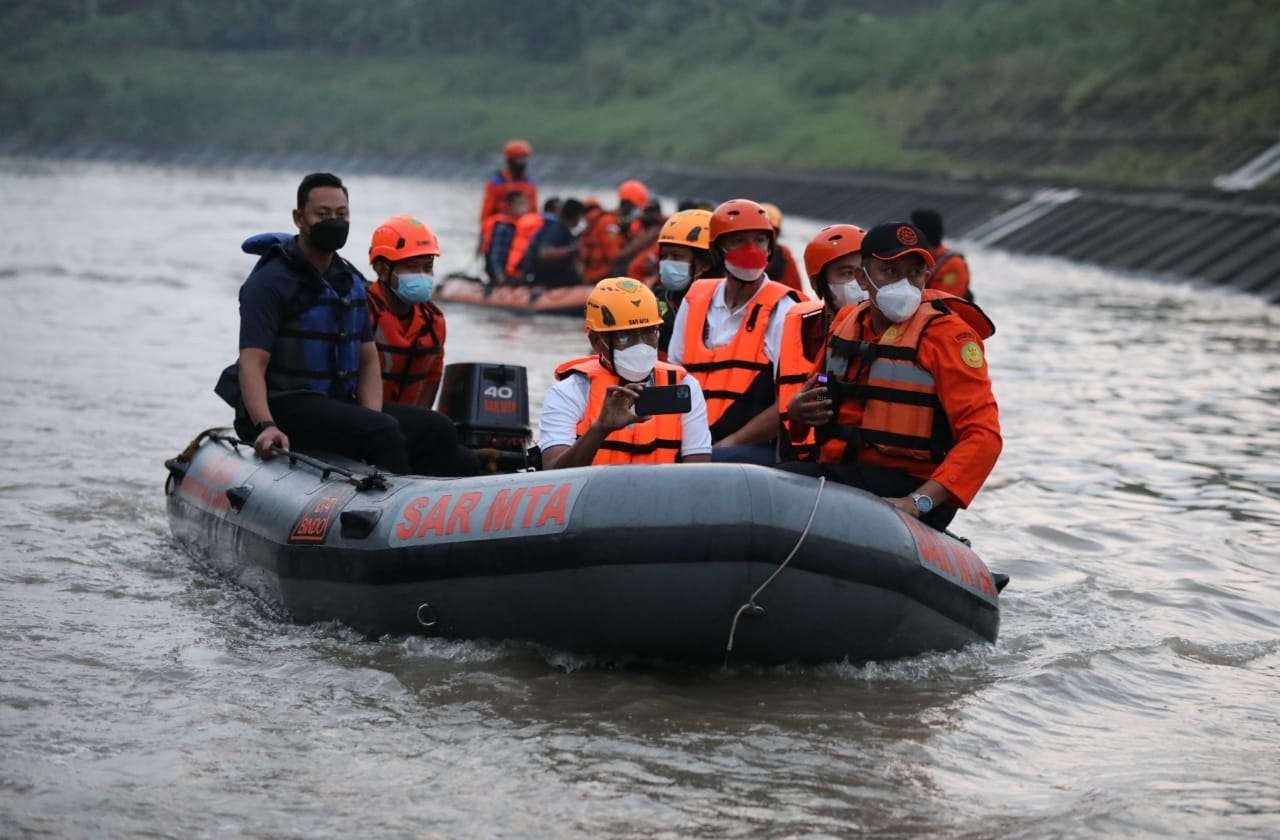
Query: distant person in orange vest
x=518 y=267
x=950 y=272
x=684 y=255
x=833 y=261
x=640 y=254
x=588 y=415
x=607 y=233
x=514 y=176
x=906 y=411
x=728 y=334
x=782 y=265
x=499 y=233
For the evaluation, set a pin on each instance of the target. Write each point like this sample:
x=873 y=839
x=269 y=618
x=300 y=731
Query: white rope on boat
x=751 y=604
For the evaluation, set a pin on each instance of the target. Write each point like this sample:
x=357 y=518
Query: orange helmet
x=774 y=214
x=516 y=148
x=688 y=228
x=634 y=191
x=402 y=237
x=620 y=303
x=739 y=214
x=830 y=243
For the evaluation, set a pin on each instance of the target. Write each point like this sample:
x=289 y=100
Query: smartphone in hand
x=664 y=399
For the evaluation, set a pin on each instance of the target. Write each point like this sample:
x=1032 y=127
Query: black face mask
x=329 y=234
x=517 y=169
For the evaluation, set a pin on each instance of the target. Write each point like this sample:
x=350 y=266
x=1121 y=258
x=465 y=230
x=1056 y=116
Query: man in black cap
x=904 y=408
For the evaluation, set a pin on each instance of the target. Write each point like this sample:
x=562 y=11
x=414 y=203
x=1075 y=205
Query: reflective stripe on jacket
x=654 y=440
x=885 y=400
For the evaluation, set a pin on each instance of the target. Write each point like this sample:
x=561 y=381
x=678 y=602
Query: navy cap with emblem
x=892 y=240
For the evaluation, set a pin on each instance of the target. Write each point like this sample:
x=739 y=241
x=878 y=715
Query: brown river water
x=1135 y=689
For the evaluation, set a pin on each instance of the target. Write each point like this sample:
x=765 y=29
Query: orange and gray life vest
x=410 y=353
x=736 y=378
x=885 y=399
x=944 y=276
x=654 y=440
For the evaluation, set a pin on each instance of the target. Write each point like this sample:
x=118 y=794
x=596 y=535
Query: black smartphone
x=664 y=399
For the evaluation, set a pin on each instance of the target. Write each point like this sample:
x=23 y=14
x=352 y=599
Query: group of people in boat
x=880 y=383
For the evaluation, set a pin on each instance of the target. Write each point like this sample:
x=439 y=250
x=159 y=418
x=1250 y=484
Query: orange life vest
x=653 y=440
x=599 y=247
x=412 y=355
x=527 y=227
x=737 y=378
x=497 y=187
x=799 y=358
x=950 y=273
x=886 y=400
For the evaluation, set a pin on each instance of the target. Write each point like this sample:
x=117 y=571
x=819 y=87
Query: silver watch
x=923 y=503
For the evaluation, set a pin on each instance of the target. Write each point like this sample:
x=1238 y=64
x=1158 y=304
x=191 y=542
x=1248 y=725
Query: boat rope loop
x=751 y=607
x=367 y=481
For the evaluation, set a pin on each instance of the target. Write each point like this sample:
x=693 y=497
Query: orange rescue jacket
x=917 y=397
x=501 y=183
x=737 y=378
x=527 y=227
x=653 y=440
x=950 y=273
x=599 y=247
x=412 y=353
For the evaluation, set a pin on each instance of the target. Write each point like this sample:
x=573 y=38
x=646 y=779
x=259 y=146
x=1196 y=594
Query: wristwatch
x=259 y=428
x=923 y=503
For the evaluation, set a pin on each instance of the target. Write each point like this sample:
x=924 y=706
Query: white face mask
x=847 y=294
x=898 y=300
x=635 y=363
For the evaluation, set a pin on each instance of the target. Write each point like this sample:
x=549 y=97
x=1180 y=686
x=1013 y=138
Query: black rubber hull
x=642 y=561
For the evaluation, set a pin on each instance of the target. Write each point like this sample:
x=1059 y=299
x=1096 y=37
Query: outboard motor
x=489 y=403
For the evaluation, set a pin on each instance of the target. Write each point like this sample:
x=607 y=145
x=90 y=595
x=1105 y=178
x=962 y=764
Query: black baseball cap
x=893 y=240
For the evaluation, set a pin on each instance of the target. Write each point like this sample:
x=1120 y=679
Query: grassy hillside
x=1143 y=91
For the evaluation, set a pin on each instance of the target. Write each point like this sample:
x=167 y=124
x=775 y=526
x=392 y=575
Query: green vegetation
x=1139 y=91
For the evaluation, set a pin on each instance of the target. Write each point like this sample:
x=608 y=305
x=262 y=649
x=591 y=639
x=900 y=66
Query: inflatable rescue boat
x=560 y=300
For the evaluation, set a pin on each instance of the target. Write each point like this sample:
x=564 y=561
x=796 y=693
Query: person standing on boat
x=554 y=250
x=950 y=271
x=833 y=261
x=588 y=416
x=782 y=263
x=607 y=233
x=728 y=335
x=308 y=373
x=514 y=176
x=907 y=411
x=684 y=255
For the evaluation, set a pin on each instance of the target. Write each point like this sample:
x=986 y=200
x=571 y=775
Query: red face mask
x=746 y=262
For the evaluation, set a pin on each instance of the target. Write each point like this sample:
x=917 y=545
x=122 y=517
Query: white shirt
x=565 y=404
x=722 y=325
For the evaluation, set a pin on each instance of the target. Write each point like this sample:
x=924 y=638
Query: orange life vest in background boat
x=950 y=273
x=527 y=227
x=890 y=403
x=737 y=378
x=599 y=247
x=653 y=440
x=412 y=355
x=498 y=185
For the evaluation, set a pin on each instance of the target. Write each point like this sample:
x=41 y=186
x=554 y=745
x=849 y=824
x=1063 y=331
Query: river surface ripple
x=1133 y=690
